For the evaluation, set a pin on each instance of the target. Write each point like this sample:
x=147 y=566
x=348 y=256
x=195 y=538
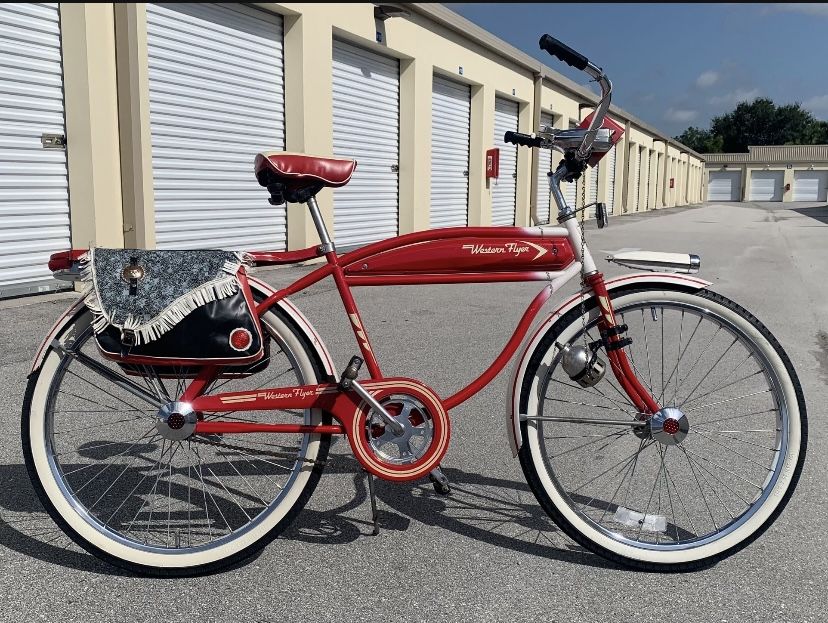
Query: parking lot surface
x=487 y=552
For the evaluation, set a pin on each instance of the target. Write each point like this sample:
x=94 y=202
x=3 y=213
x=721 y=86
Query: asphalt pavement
x=487 y=552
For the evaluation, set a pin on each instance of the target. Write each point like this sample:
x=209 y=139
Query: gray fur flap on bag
x=147 y=293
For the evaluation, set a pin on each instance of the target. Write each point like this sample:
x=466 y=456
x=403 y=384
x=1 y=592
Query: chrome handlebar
x=579 y=61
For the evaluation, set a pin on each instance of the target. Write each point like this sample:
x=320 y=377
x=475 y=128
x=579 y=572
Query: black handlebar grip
x=518 y=138
x=563 y=52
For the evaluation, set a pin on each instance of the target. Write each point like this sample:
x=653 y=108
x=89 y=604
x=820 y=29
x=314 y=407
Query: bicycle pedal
x=350 y=373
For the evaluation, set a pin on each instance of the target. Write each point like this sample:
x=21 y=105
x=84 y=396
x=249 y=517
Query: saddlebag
x=172 y=310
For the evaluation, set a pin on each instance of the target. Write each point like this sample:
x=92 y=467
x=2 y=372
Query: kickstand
x=374 y=514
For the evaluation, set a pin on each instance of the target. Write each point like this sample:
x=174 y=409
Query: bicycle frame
x=406 y=260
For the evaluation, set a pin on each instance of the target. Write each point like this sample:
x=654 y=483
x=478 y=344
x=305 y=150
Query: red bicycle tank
x=505 y=249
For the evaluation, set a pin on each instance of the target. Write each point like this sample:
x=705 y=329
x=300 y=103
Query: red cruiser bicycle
x=178 y=416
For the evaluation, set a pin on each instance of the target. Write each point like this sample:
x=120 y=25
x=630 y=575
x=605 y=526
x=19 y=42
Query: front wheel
x=692 y=486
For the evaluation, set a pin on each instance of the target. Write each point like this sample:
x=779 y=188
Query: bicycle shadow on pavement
x=495 y=511
x=26 y=528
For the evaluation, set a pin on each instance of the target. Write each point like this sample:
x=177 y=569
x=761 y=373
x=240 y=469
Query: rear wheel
x=698 y=481
x=152 y=504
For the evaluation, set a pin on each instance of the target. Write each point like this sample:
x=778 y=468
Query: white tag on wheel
x=647 y=523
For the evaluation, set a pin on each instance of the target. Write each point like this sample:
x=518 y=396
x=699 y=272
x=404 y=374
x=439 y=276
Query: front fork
x=621 y=368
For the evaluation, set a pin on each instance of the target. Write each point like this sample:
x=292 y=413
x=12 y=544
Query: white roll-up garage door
x=724 y=185
x=810 y=186
x=635 y=156
x=450 y=117
x=504 y=187
x=646 y=172
x=543 y=198
x=570 y=193
x=766 y=185
x=366 y=126
x=593 y=188
x=34 y=200
x=610 y=157
x=216 y=92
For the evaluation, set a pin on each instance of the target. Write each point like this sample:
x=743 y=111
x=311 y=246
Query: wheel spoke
x=713 y=367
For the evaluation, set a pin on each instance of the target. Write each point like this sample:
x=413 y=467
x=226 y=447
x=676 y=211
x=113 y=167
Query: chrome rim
x=156 y=494
x=710 y=458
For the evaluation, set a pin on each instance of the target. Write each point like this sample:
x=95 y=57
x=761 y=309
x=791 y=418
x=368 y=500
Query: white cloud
x=680 y=115
x=820 y=10
x=707 y=79
x=735 y=97
x=817 y=103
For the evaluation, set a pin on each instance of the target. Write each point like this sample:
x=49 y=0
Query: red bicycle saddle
x=299 y=170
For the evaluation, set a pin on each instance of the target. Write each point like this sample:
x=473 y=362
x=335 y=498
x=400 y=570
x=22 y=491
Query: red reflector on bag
x=240 y=339
x=64 y=259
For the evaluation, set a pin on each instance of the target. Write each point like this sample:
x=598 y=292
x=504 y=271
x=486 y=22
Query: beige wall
x=91 y=103
x=107 y=109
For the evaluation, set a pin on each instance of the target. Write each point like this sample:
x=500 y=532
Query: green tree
x=760 y=122
x=702 y=141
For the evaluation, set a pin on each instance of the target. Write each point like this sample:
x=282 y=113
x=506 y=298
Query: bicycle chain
x=229 y=446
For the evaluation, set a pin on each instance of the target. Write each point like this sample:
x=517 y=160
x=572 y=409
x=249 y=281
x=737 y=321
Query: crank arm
x=581 y=420
x=348 y=381
x=122 y=382
x=393 y=424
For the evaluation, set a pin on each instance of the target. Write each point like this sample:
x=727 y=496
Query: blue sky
x=675 y=65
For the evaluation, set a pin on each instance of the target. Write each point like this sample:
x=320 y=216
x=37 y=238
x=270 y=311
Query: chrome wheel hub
x=176 y=421
x=669 y=426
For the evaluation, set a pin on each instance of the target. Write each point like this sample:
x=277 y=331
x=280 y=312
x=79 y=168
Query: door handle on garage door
x=395 y=168
x=53 y=141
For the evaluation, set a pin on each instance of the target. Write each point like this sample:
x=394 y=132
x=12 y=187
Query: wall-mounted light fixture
x=383 y=11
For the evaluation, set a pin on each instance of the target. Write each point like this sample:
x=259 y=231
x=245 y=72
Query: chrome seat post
x=327 y=245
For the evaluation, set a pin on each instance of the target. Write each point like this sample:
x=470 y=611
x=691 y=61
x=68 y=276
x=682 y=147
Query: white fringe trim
x=171 y=315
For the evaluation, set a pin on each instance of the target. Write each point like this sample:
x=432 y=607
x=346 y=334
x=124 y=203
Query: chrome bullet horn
x=583 y=365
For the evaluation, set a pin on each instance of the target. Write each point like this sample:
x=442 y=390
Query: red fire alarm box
x=672 y=182
x=617 y=131
x=492 y=162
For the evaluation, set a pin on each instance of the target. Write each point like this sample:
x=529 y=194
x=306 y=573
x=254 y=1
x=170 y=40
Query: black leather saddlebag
x=172 y=310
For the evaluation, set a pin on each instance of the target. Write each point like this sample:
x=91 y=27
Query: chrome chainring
x=417 y=436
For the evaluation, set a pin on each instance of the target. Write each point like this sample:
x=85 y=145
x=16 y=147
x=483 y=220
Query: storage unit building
x=769 y=173
x=153 y=114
